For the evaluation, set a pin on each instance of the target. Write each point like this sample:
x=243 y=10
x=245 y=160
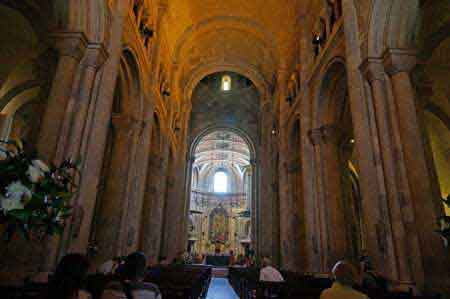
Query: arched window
x=226 y=83
x=220 y=182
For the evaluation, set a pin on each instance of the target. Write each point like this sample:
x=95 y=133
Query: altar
x=218 y=260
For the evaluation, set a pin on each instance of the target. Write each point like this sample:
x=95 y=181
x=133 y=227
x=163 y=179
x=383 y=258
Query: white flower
x=11 y=203
x=41 y=165
x=37 y=170
x=17 y=191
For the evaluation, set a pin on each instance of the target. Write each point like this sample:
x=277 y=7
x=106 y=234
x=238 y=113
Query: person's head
x=117 y=259
x=266 y=262
x=134 y=266
x=344 y=273
x=68 y=276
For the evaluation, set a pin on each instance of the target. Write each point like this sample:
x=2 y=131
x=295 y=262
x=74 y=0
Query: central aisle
x=220 y=288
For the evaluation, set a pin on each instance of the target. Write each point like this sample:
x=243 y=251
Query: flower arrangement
x=444 y=223
x=34 y=197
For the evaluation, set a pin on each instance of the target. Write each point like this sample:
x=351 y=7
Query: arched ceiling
x=222 y=148
x=258 y=37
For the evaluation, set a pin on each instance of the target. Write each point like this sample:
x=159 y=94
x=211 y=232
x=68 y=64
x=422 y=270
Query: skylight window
x=226 y=83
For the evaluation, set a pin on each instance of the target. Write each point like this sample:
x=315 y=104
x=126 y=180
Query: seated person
x=164 y=261
x=131 y=285
x=370 y=279
x=269 y=273
x=68 y=278
x=345 y=277
x=110 y=267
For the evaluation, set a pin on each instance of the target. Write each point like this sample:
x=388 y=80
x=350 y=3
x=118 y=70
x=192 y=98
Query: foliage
x=34 y=197
x=444 y=223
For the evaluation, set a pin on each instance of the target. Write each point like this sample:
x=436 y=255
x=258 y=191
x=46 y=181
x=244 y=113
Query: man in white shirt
x=345 y=276
x=269 y=273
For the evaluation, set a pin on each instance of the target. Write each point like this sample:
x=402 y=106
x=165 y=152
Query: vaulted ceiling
x=254 y=38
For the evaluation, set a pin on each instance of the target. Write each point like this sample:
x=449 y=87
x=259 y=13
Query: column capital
x=373 y=69
x=330 y=133
x=71 y=44
x=399 y=60
x=125 y=124
x=96 y=55
x=315 y=136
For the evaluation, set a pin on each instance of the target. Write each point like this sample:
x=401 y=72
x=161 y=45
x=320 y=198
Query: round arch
x=215 y=67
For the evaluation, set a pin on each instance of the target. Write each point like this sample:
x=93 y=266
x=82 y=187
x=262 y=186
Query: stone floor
x=220 y=288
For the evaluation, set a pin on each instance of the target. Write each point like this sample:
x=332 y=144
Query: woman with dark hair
x=131 y=284
x=69 y=275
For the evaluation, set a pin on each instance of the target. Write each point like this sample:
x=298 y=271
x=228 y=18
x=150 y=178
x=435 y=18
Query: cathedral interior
x=307 y=131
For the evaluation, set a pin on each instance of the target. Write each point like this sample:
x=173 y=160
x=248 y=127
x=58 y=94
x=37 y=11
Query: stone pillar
x=71 y=47
x=137 y=182
x=334 y=209
x=112 y=231
x=75 y=123
x=424 y=196
x=95 y=135
x=290 y=224
x=313 y=254
x=154 y=201
x=266 y=237
x=396 y=231
x=375 y=207
x=321 y=239
x=254 y=206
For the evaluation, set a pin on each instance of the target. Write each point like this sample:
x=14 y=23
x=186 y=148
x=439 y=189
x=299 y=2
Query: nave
x=307 y=132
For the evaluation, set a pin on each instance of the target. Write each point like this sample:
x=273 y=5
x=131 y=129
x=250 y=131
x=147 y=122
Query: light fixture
x=226 y=83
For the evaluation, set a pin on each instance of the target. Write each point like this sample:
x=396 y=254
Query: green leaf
x=22 y=215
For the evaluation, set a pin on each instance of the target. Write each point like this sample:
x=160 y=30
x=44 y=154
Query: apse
x=221 y=196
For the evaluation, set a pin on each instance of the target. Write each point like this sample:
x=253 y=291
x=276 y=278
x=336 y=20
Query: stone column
x=290 y=223
x=400 y=247
x=75 y=124
x=112 y=230
x=94 y=137
x=154 y=201
x=71 y=47
x=321 y=238
x=254 y=206
x=424 y=198
x=334 y=210
x=137 y=181
x=266 y=237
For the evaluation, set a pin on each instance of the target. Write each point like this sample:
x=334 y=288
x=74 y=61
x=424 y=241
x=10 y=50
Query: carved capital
x=399 y=60
x=325 y=134
x=373 y=69
x=125 y=124
x=96 y=55
x=72 y=44
x=330 y=133
x=315 y=136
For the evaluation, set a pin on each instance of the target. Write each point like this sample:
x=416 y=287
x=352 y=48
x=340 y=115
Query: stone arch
x=132 y=104
x=27 y=69
x=333 y=122
x=327 y=112
x=232 y=22
x=215 y=67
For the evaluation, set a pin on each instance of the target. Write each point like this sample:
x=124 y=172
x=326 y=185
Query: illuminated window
x=220 y=182
x=226 y=83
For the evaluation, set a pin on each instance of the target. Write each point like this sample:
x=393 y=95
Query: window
x=220 y=182
x=226 y=83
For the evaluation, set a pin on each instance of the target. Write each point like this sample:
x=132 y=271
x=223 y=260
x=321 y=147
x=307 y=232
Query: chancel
x=174 y=149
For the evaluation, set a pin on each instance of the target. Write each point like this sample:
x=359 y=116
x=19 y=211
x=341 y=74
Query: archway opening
x=220 y=197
